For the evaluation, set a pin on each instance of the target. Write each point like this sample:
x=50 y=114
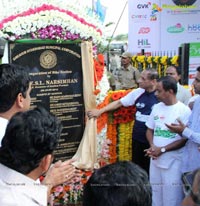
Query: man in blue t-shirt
x=144 y=99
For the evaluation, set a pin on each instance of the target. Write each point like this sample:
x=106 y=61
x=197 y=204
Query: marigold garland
x=119 y=131
x=158 y=62
x=112 y=136
x=125 y=141
x=98 y=68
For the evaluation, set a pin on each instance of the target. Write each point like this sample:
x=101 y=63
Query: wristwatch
x=163 y=149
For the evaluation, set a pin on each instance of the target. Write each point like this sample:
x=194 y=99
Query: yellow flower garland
x=125 y=141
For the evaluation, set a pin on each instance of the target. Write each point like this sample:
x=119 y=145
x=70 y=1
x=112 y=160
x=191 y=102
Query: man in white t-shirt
x=166 y=147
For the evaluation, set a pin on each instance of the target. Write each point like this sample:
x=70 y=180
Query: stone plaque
x=56 y=74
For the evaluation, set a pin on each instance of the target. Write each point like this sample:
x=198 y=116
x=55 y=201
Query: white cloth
x=166 y=185
x=17 y=189
x=183 y=94
x=160 y=115
x=3 y=125
x=191 y=157
x=131 y=97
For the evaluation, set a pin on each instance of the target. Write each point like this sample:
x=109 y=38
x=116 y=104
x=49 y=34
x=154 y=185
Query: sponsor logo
x=175 y=7
x=193 y=28
x=194 y=50
x=139 y=16
x=154 y=10
x=143 y=43
x=175 y=29
x=144 y=6
x=144 y=30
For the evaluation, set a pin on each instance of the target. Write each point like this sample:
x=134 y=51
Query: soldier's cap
x=126 y=54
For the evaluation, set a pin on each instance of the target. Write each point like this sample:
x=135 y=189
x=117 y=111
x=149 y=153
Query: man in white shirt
x=183 y=94
x=166 y=147
x=15 y=88
x=26 y=154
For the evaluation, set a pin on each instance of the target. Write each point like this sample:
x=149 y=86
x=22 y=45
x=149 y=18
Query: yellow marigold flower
x=141 y=59
x=149 y=59
x=163 y=60
x=174 y=60
x=156 y=59
x=134 y=58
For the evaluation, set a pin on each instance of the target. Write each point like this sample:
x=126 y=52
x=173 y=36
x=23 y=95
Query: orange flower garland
x=119 y=131
x=119 y=122
x=98 y=68
x=112 y=136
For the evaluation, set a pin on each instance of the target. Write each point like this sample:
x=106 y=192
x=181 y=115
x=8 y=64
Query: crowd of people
x=165 y=131
x=166 y=138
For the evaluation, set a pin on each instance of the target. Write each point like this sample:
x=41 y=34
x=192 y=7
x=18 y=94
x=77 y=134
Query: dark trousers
x=138 y=155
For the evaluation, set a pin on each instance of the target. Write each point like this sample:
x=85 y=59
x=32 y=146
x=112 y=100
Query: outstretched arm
x=94 y=113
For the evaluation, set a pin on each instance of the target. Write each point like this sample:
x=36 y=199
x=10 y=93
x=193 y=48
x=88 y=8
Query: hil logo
x=143 y=42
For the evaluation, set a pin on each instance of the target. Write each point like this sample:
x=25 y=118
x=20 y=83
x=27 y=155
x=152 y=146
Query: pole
x=118 y=21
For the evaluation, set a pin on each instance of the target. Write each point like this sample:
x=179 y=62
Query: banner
x=56 y=72
x=194 y=60
x=144 y=21
x=160 y=27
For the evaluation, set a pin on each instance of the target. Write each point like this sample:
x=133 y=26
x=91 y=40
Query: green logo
x=156 y=117
x=175 y=29
x=164 y=133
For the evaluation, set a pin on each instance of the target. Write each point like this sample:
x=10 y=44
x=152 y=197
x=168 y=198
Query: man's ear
x=46 y=162
x=20 y=100
x=171 y=91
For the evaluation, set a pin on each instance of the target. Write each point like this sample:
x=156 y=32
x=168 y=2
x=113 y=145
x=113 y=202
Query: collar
x=30 y=188
x=128 y=68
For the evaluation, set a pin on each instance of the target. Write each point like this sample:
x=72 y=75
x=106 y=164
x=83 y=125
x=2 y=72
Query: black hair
x=121 y=184
x=198 y=69
x=168 y=83
x=152 y=73
x=14 y=79
x=28 y=138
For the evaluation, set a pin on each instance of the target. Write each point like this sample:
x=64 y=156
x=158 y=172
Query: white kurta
x=17 y=189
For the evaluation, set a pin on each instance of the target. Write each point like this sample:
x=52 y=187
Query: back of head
x=29 y=137
x=14 y=79
x=168 y=83
x=152 y=73
x=120 y=184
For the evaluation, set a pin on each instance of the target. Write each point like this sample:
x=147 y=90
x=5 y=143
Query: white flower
x=31 y=23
